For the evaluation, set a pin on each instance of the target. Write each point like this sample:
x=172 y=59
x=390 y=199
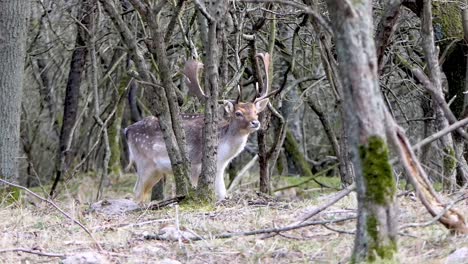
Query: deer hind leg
x=146 y=180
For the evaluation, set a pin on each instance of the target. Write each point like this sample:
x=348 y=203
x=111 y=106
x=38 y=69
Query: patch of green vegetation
x=192 y=205
x=40 y=225
x=377 y=171
x=438 y=186
x=10 y=195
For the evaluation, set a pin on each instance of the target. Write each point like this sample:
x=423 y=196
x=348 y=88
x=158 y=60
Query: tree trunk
x=441 y=122
x=294 y=154
x=342 y=151
x=72 y=96
x=210 y=172
x=178 y=153
x=365 y=120
x=14 y=24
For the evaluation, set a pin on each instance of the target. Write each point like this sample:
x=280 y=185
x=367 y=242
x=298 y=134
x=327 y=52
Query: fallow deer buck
x=147 y=148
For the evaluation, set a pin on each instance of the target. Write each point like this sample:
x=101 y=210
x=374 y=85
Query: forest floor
x=33 y=225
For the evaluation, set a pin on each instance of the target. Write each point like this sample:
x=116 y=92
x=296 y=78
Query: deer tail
x=130 y=155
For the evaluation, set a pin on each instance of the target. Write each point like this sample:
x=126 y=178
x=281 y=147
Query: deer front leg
x=220 y=187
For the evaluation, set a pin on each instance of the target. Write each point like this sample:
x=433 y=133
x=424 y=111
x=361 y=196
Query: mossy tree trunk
x=365 y=118
x=294 y=154
x=115 y=166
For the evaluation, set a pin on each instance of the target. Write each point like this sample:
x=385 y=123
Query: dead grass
x=35 y=225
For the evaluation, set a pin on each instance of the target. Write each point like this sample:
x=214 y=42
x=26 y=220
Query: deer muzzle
x=255 y=124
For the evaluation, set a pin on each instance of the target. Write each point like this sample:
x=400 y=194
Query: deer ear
x=261 y=105
x=228 y=107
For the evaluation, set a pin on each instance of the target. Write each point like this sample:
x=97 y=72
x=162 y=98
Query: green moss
x=377 y=171
x=450 y=161
x=378 y=252
x=192 y=204
x=279 y=167
x=292 y=149
x=115 y=167
x=447 y=20
x=381 y=187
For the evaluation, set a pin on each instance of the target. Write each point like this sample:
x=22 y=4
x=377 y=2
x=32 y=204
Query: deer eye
x=238 y=114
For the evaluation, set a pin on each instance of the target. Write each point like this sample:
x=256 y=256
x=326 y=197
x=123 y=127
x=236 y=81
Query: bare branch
x=441 y=133
x=261 y=231
x=323 y=22
x=338 y=196
x=32 y=251
x=56 y=207
x=451 y=219
x=202 y=8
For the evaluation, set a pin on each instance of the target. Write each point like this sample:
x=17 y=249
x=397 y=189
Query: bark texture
x=210 y=167
x=365 y=122
x=13 y=31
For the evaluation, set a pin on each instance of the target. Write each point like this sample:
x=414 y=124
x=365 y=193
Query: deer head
x=243 y=115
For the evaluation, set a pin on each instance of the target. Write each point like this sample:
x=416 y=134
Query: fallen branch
x=340 y=195
x=450 y=218
x=106 y=227
x=164 y=203
x=56 y=207
x=437 y=217
x=32 y=251
x=258 y=232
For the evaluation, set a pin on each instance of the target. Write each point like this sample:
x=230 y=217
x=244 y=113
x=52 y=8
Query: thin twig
x=241 y=173
x=32 y=251
x=339 y=231
x=441 y=133
x=322 y=21
x=261 y=231
x=56 y=207
x=340 y=195
x=159 y=205
x=102 y=228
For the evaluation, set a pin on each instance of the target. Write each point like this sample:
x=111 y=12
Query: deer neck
x=232 y=141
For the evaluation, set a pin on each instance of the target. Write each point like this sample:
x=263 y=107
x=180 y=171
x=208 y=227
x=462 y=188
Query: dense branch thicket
x=95 y=67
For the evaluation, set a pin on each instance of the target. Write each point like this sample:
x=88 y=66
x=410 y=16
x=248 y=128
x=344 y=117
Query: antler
x=266 y=84
x=239 y=94
x=191 y=70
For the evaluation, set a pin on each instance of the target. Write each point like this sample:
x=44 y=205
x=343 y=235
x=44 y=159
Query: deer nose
x=255 y=124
